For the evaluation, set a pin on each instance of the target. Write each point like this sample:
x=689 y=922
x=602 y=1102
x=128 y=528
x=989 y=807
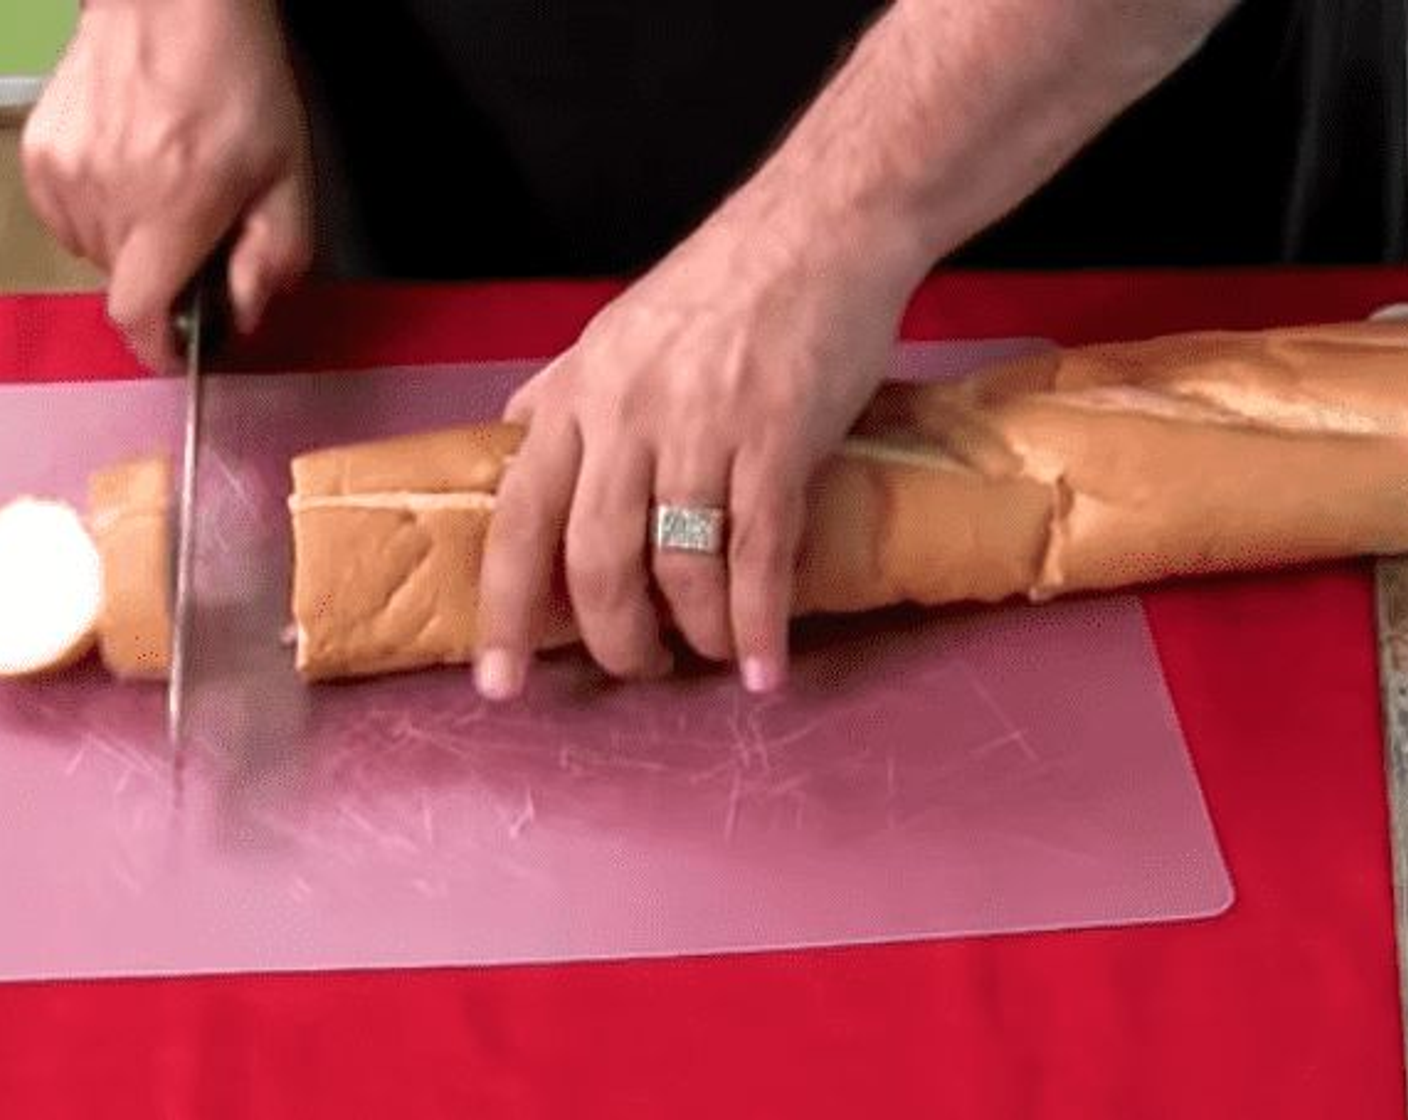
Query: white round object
x=51 y=587
x=1391 y=313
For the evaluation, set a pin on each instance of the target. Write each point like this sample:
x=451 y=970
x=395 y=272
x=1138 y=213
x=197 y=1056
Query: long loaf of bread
x=1072 y=470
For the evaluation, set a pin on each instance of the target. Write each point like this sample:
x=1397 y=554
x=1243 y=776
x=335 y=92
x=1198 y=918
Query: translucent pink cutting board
x=925 y=776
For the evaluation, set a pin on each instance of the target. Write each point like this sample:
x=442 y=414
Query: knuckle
x=126 y=313
x=604 y=407
x=501 y=614
x=543 y=395
x=45 y=165
x=760 y=547
x=520 y=406
x=35 y=153
x=521 y=521
x=600 y=582
x=616 y=403
x=204 y=159
x=287 y=258
x=72 y=161
x=533 y=495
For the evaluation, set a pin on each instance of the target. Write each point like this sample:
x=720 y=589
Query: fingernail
x=498 y=675
x=761 y=674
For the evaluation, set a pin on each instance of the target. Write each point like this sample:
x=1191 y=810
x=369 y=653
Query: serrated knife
x=1391 y=609
x=1391 y=628
x=190 y=331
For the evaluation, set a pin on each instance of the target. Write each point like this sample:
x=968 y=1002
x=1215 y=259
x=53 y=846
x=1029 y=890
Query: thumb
x=274 y=250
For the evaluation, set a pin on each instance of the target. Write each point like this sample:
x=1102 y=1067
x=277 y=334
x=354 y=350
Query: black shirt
x=467 y=138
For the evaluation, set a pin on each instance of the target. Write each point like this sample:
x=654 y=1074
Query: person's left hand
x=721 y=379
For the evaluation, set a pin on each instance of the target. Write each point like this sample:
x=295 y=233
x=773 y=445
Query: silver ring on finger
x=685 y=528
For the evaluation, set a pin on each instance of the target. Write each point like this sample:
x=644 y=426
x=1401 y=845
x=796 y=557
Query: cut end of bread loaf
x=130 y=513
x=50 y=587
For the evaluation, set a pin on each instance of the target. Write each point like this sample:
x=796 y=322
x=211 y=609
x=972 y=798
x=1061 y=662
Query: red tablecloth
x=1284 y=1008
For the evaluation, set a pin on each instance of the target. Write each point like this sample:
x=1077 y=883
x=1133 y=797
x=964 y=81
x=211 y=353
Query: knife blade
x=1391 y=629
x=190 y=329
x=1391 y=613
x=202 y=321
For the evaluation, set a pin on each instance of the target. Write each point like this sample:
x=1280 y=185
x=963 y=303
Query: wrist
x=874 y=241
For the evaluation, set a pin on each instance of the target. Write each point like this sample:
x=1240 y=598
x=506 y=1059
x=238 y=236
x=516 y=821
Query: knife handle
x=209 y=289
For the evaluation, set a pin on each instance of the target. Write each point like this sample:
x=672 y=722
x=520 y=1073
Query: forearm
x=950 y=112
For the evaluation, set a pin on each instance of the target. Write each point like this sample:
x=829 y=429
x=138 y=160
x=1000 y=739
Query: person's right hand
x=168 y=125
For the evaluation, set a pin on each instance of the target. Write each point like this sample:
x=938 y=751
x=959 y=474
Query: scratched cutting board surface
x=926 y=775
